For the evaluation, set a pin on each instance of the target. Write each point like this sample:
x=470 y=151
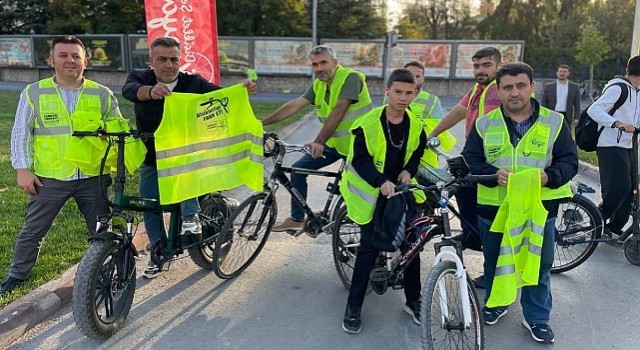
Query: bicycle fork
x=464 y=294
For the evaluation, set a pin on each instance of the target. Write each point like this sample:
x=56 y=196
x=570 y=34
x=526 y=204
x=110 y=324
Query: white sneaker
x=191 y=225
x=152 y=270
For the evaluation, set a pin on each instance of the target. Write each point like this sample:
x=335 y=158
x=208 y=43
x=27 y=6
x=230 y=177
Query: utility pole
x=314 y=23
x=635 y=43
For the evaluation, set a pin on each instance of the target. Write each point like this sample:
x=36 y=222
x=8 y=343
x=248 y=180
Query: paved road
x=291 y=298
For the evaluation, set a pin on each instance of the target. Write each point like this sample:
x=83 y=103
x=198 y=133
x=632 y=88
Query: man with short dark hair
x=425 y=105
x=615 y=145
x=532 y=151
x=147 y=90
x=48 y=112
x=563 y=95
x=370 y=177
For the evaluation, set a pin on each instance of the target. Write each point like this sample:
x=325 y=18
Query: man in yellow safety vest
x=339 y=96
x=48 y=112
x=520 y=141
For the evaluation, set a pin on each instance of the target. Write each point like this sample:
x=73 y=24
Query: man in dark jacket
x=147 y=89
x=563 y=95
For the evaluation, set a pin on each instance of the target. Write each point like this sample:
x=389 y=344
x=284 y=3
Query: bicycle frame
x=318 y=222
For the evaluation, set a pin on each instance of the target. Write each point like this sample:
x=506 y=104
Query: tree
x=69 y=16
x=353 y=19
x=592 y=50
x=263 y=18
x=24 y=16
x=436 y=19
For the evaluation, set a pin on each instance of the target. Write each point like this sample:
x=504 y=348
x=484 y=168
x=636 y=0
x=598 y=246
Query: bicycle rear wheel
x=243 y=235
x=579 y=222
x=442 y=314
x=345 y=243
x=213 y=214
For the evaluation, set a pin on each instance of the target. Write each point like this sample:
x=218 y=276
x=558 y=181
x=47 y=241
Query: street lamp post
x=635 y=43
x=314 y=23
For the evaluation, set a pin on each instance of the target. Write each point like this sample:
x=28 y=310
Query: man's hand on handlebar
x=387 y=189
x=503 y=176
x=316 y=149
x=404 y=177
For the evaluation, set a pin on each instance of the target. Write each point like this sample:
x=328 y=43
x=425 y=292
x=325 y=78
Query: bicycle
x=584 y=226
x=105 y=281
x=248 y=227
x=450 y=306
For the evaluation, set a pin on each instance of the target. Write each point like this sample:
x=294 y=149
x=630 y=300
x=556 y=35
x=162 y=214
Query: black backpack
x=587 y=131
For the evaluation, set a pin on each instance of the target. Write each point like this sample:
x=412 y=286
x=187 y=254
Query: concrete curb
x=41 y=304
x=589 y=170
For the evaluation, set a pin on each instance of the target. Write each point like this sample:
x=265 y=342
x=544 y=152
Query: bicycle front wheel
x=243 y=235
x=102 y=295
x=442 y=313
x=579 y=222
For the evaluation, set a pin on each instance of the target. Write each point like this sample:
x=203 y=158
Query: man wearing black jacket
x=376 y=170
x=147 y=89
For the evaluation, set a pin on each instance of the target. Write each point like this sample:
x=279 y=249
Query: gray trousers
x=43 y=209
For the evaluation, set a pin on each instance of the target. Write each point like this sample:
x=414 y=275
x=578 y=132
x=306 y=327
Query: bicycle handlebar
x=123 y=134
x=464 y=180
x=273 y=146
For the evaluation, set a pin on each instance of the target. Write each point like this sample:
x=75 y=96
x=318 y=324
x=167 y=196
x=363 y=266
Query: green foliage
x=437 y=19
x=24 y=16
x=592 y=47
x=353 y=19
x=263 y=18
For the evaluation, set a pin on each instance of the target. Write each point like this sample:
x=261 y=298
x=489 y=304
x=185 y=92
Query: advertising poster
x=138 y=52
x=103 y=52
x=233 y=55
x=511 y=52
x=282 y=56
x=365 y=57
x=436 y=57
x=193 y=23
x=16 y=52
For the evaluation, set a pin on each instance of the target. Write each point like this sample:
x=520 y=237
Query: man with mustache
x=48 y=112
x=147 y=90
x=481 y=99
x=340 y=96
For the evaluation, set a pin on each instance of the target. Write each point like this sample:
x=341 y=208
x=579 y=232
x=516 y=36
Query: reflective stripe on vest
x=340 y=138
x=423 y=104
x=521 y=220
x=534 y=150
x=52 y=126
x=359 y=196
x=206 y=143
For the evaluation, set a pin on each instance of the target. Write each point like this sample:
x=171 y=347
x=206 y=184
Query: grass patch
x=66 y=242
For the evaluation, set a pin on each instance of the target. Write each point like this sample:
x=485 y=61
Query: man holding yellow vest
x=340 y=96
x=48 y=112
x=531 y=149
x=147 y=90
x=386 y=148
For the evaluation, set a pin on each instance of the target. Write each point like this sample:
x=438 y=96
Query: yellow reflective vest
x=209 y=142
x=423 y=104
x=521 y=219
x=340 y=138
x=534 y=150
x=53 y=127
x=359 y=196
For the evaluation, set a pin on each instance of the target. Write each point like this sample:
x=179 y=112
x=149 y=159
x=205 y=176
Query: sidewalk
x=41 y=304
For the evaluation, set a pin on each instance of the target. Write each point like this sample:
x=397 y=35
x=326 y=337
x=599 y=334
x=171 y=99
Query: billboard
x=435 y=56
x=365 y=57
x=233 y=55
x=16 y=52
x=104 y=52
x=511 y=52
x=138 y=52
x=282 y=56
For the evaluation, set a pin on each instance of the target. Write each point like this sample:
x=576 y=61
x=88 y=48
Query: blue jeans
x=536 y=301
x=148 y=188
x=299 y=181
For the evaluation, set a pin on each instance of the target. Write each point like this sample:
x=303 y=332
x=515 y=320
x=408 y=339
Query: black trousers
x=467 y=201
x=365 y=261
x=616 y=185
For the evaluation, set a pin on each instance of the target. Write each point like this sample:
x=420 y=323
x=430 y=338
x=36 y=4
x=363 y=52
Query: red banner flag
x=193 y=24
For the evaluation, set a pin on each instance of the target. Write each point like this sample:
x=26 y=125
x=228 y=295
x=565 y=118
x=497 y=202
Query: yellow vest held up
x=209 y=142
x=521 y=219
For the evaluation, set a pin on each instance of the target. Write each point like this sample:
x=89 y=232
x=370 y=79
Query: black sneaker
x=152 y=271
x=351 y=322
x=413 y=309
x=493 y=314
x=478 y=282
x=9 y=284
x=540 y=332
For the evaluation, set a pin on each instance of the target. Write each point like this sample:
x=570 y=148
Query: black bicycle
x=450 y=311
x=248 y=227
x=105 y=281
